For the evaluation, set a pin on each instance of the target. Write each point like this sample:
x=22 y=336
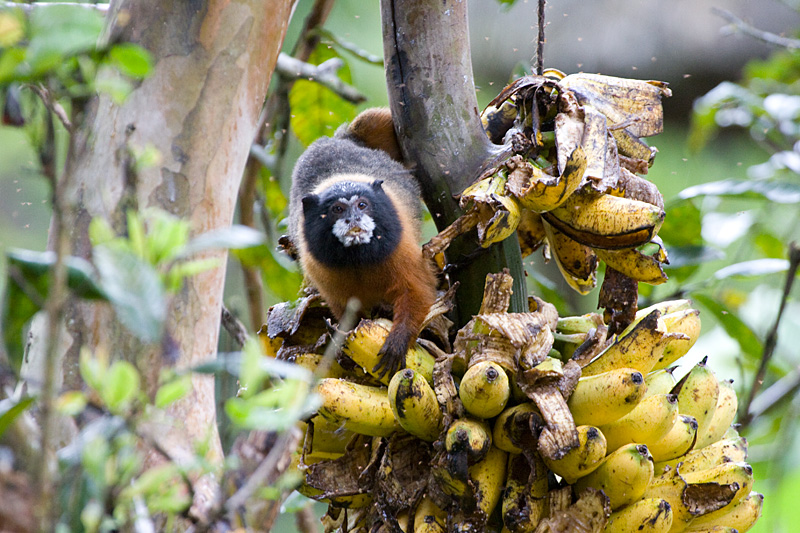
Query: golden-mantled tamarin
x=355 y=220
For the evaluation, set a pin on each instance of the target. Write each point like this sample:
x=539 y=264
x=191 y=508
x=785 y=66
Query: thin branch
x=737 y=24
x=52 y=105
x=363 y=55
x=28 y=8
x=324 y=74
x=540 y=40
x=784 y=388
x=267 y=471
x=772 y=337
x=234 y=327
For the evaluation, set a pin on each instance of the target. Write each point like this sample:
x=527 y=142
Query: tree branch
x=737 y=24
x=324 y=74
x=435 y=111
x=772 y=336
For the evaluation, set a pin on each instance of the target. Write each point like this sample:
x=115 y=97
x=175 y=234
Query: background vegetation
x=728 y=167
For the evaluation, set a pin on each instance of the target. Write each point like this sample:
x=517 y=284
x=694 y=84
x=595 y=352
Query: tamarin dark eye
x=362 y=205
x=337 y=209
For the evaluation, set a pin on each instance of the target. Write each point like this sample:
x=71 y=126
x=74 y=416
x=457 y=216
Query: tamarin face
x=350 y=223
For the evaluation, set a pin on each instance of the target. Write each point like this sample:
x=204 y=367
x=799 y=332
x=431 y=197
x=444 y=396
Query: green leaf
x=134 y=290
x=780 y=192
x=756 y=267
x=10 y=410
x=10 y=59
x=71 y=403
x=278 y=276
x=60 y=31
x=682 y=225
x=173 y=390
x=732 y=324
x=27 y=289
x=93 y=369
x=316 y=110
x=132 y=60
x=235 y=237
x=120 y=387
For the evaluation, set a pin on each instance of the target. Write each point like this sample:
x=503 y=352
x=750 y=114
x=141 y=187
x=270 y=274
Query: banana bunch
x=574 y=180
x=525 y=422
x=506 y=433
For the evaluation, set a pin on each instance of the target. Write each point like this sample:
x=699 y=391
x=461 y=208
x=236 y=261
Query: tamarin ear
x=310 y=201
x=377 y=185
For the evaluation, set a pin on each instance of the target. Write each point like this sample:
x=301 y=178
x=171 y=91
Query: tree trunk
x=435 y=110
x=199 y=107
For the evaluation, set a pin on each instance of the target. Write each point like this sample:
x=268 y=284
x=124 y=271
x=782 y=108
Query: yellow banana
x=497 y=121
x=326 y=439
x=583 y=459
x=488 y=477
x=624 y=475
x=577 y=263
x=686 y=322
x=414 y=405
x=484 y=389
x=649 y=421
x=652 y=515
x=724 y=415
x=514 y=425
x=739 y=476
x=665 y=308
x=429 y=518
x=471 y=436
x=698 y=393
x=632 y=146
x=671 y=488
x=634 y=264
x=498 y=214
x=732 y=450
x=713 y=529
x=606 y=397
x=660 y=381
x=530 y=232
x=677 y=441
x=359 y=408
x=366 y=340
x=606 y=221
x=537 y=191
x=639 y=349
x=741 y=515
x=525 y=499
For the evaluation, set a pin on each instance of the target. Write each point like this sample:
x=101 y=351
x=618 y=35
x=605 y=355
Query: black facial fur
x=326 y=248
